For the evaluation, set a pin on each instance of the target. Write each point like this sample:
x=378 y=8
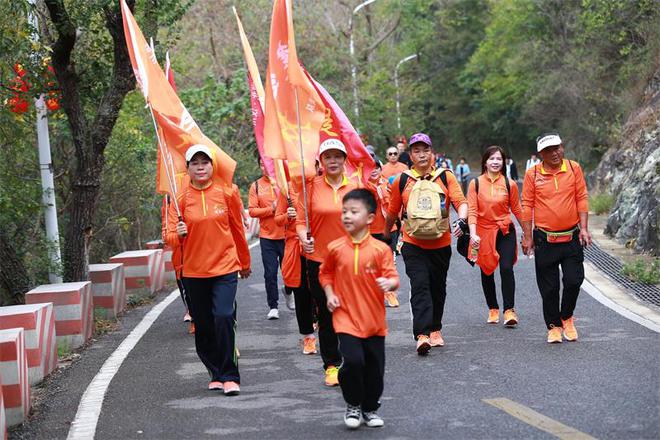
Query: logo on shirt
x=370 y=268
x=219 y=210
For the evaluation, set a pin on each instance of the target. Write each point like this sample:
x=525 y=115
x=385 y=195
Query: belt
x=556 y=234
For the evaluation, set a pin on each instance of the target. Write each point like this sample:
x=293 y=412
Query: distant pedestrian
x=404 y=157
x=356 y=272
x=555 y=228
x=511 y=170
x=463 y=174
x=215 y=252
x=393 y=167
x=533 y=160
x=492 y=197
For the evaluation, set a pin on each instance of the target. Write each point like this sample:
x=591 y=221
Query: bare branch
x=384 y=35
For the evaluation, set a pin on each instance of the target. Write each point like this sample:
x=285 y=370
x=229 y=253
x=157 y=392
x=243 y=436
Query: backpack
x=426 y=216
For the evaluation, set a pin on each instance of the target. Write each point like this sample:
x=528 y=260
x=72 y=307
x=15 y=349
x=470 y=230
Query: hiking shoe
x=391 y=299
x=372 y=419
x=273 y=314
x=493 y=316
x=510 y=318
x=423 y=345
x=353 y=417
x=332 y=376
x=309 y=345
x=191 y=328
x=436 y=339
x=570 y=332
x=232 y=388
x=187 y=317
x=554 y=335
x=215 y=385
x=290 y=301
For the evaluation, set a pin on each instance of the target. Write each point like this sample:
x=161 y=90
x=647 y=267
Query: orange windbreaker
x=351 y=267
x=490 y=211
x=215 y=244
x=553 y=200
x=291 y=262
x=383 y=200
x=325 y=205
x=392 y=170
x=261 y=206
x=399 y=200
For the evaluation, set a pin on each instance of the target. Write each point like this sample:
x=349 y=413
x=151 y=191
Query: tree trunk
x=13 y=275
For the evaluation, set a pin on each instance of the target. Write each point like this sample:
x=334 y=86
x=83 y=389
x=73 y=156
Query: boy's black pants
x=548 y=258
x=427 y=271
x=362 y=370
x=506 y=247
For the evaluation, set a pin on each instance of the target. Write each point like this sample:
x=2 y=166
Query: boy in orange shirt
x=355 y=300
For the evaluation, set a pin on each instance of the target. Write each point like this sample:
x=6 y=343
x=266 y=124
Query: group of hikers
x=337 y=254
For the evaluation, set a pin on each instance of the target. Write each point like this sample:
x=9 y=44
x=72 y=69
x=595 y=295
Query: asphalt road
x=605 y=385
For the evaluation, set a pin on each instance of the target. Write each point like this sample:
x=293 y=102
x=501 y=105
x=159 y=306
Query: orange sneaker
x=493 y=316
x=191 y=328
x=391 y=299
x=570 y=332
x=331 y=376
x=436 y=339
x=309 y=345
x=510 y=318
x=554 y=335
x=423 y=345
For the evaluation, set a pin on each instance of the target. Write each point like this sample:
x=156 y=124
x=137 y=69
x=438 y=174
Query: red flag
x=176 y=128
x=286 y=115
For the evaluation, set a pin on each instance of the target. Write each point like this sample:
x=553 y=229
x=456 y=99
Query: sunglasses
x=392 y=154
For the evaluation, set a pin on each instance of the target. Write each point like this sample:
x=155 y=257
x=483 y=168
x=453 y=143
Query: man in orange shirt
x=426 y=260
x=555 y=202
x=393 y=166
x=356 y=272
x=262 y=204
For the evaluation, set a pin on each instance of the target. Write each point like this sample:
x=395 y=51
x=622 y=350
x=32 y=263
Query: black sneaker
x=372 y=419
x=353 y=417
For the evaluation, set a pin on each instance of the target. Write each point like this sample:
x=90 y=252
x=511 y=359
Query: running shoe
x=232 y=388
x=332 y=376
x=215 y=385
x=436 y=339
x=290 y=301
x=554 y=335
x=187 y=317
x=493 y=316
x=309 y=345
x=273 y=314
x=510 y=318
x=191 y=328
x=391 y=299
x=353 y=416
x=570 y=332
x=423 y=345
x=372 y=419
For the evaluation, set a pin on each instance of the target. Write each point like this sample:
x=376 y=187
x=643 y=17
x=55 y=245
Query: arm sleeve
x=473 y=203
x=253 y=204
x=581 y=194
x=237 y=232
x=327 y=269
x=395 y=201
x=387 y=267
x=455 y=192
x=514 y=201
x=169 y=229
x=528 y=195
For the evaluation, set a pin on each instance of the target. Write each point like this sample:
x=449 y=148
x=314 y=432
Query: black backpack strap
x=443 y=177
x=476 y=184
x=508 y=185
x=403 y=180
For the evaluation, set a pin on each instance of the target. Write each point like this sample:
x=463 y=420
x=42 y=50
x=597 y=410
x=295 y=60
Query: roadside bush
x=601 y=203
x=643 y=271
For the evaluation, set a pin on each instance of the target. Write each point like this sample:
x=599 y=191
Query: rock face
x=631 y=171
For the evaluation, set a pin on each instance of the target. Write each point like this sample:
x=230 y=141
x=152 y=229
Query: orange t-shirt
x=325 y=205
x=398 y=200
x=351 y=268
x=215 y=244
x=260 y=205
x=393 y=169
x=553 y=200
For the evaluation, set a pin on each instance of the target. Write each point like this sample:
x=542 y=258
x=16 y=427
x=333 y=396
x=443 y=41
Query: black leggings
x=506 y=247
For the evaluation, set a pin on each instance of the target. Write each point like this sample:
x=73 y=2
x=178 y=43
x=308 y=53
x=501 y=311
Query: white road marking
x=89 y=409
x=256 y=243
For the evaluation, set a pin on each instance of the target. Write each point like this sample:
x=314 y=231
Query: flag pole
x=302 y=164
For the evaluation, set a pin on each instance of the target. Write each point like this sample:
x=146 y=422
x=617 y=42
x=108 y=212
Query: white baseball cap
x=332 y=144
x=197 y=148
x=548 y=140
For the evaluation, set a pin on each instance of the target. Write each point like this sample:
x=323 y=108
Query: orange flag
x=285 y=78
x=176 y=128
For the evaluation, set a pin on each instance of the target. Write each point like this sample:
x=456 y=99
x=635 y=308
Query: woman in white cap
x=215 y=252
x=324 y=194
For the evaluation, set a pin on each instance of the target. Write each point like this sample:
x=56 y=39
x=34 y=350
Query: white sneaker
x=187 y=317
x=290 y=301
x=353 y=417
x=273 y=314
x=372 y=420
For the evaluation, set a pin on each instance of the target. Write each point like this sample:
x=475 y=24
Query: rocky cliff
x=631 y=171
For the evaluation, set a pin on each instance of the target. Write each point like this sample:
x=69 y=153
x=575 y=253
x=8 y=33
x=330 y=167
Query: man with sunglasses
x=393 y=167
x=555 y=203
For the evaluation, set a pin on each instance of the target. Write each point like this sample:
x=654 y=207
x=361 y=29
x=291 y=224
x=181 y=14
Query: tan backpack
x=426 y=216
